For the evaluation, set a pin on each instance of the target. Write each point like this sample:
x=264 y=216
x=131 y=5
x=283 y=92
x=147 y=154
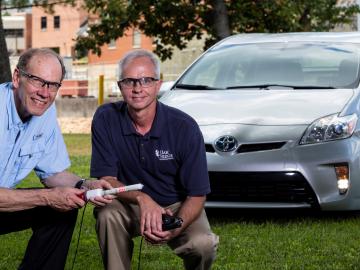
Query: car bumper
x=293 y=176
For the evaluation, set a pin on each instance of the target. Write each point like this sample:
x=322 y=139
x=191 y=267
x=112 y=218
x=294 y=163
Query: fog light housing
x=342 y=175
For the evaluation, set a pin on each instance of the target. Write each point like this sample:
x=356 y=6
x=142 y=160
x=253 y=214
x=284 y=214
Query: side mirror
x=165 y=86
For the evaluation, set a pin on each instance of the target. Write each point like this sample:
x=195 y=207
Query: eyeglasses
x=40 y=83
x=144 y=82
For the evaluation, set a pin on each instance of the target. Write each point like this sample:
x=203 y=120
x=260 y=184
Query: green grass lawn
x=248 y=239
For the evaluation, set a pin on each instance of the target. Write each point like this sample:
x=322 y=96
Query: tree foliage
x=5 y=72
x=175 y=23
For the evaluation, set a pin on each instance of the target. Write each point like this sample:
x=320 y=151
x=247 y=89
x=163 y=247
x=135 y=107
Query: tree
x=175 y=23
x=5 y=74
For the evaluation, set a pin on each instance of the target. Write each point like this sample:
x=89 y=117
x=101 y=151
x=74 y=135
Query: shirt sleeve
x=55 y=158
x=103 y=157
x=193 y=172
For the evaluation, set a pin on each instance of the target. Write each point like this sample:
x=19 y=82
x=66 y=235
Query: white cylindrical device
x=100 y=192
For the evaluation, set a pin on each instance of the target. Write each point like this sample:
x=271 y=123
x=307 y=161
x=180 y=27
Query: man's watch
x=80 y=183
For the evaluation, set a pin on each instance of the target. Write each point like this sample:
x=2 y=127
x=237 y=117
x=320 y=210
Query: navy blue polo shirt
x=169 y=160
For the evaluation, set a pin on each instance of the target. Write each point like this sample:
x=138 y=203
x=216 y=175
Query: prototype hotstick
x=102 y=192
x=169 y=222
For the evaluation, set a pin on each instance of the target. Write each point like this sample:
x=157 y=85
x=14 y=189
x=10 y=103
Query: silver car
x=279 y=115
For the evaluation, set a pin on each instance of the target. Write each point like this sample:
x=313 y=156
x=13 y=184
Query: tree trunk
x=220 y=19
x=305 y=21
x=5 y=72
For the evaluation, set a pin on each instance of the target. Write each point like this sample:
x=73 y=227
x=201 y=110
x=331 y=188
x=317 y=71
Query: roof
x=351 y=37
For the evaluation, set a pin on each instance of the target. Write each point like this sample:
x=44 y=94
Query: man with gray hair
x=141 y=140
x=30 y=139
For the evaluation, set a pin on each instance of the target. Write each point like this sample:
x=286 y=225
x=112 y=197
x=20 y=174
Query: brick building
x=58 y=30
x=17 y=29
x=106 y=64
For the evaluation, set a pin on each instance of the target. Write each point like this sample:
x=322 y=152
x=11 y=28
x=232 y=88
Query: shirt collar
x=128 y=127
x=156 y=128
x=159 y=121
x=13 y=116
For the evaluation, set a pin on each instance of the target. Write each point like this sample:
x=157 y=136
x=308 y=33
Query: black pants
x=50 y=241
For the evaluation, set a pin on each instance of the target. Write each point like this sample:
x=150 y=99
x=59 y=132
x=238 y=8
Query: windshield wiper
x=269 y=86
x=259 y=86
x=314 y=87
x=195 y=87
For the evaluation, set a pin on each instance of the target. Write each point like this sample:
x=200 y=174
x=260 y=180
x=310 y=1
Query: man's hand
x=102 y=184
x=151 y=221
x=190 y=209
x=64 y=198
x=161 y=237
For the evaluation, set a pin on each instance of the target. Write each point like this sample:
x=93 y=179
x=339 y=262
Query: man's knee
x=106 y=215
x=199 y=252
x=205 y=245
x=72 y=215
x=114 y=215
x=199 y=245
x=103 y=213
x=53 y=218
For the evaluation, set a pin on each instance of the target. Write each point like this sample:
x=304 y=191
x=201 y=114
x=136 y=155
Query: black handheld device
x=171 y=222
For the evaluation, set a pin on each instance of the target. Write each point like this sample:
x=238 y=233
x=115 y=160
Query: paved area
x=75 y=124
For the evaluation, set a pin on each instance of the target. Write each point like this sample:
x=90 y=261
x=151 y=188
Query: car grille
x=289 y=187
x=244 y=148
x=209 y=148
x=259 y=147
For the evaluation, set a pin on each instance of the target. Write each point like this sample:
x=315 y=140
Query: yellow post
x=101 y=90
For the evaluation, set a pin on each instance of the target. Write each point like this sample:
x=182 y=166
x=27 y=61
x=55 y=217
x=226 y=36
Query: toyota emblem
x=226 y=143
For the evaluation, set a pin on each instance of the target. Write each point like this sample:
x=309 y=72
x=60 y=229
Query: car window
x=282 y=63
x=206 y=71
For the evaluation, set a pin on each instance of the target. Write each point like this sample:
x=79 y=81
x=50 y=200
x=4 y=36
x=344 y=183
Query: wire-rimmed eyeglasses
x=128 y=83
x=39 y=82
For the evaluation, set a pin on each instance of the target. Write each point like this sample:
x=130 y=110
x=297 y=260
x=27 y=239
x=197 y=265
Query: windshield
x=269 y=65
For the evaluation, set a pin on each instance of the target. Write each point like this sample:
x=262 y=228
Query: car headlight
x=330 y=128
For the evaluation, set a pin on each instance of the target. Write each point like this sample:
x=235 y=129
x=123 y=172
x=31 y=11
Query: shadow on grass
x=277 y=215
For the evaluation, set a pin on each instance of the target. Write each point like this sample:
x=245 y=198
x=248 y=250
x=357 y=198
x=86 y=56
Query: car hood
x=258 y=107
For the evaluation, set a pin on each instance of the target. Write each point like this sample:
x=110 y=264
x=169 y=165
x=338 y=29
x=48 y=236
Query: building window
x=55 y=49
x=57 y=22
x=112 y=44
x=43 y=23
x=11 y=33
x=136 y=39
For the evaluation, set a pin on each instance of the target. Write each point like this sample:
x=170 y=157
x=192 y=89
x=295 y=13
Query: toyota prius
x=279 y=116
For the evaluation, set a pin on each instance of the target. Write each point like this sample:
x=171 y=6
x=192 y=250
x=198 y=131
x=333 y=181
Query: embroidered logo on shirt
x=37 y=136
x=164 y=154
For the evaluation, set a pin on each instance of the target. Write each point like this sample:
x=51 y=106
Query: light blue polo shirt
x=35 y=145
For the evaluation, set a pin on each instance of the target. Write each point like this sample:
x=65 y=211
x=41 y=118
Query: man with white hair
x=142 y=140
